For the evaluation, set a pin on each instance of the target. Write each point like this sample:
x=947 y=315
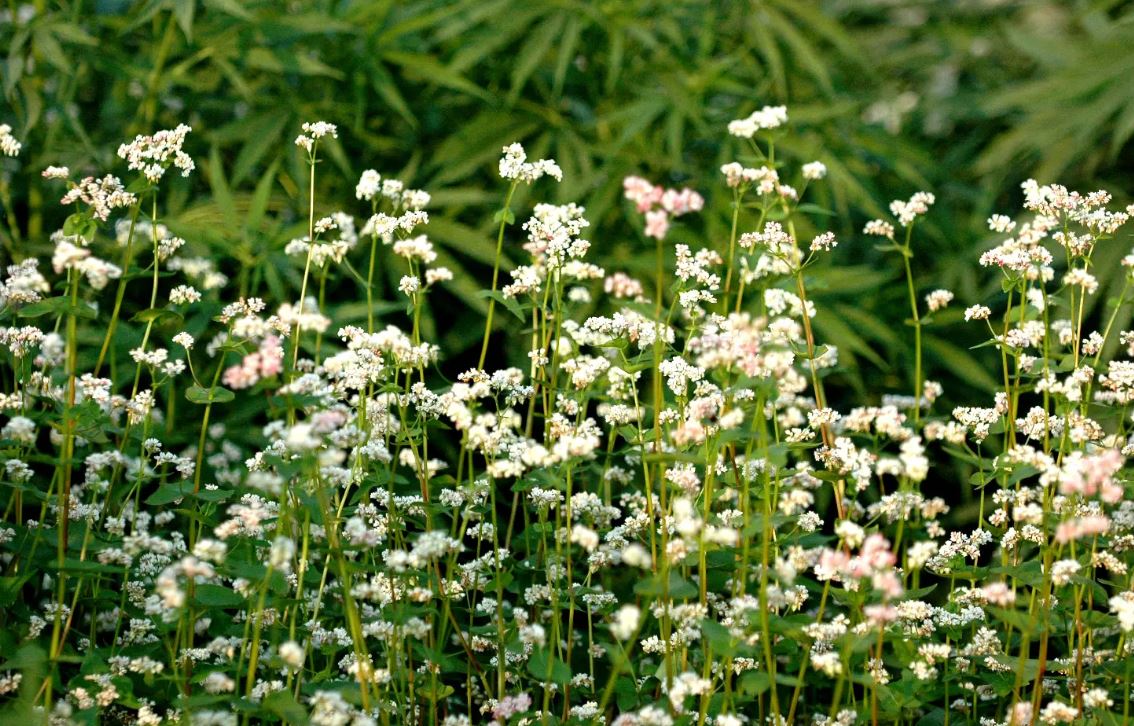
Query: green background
x=965 y=98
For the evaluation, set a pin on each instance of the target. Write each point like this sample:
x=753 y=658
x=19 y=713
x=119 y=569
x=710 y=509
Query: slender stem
x=505 y=214
x=307 y=265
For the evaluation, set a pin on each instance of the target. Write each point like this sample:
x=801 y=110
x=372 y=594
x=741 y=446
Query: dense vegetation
x=558 y=338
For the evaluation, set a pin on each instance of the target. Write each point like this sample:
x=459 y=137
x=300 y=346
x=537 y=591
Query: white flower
x=184 y=295
x=938 y=299
x=292 y=654
x=514 y=166
x=977 y=312
x=409 y=284
x=282 y=552
x=369 y=184
x=585 y=537
x=625 y=622
x=312 y=132
x=8 y=143
x=814 y=170
x=152 y=155
x=769 y=117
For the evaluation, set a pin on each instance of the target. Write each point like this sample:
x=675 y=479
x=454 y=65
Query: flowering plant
x=661 y=518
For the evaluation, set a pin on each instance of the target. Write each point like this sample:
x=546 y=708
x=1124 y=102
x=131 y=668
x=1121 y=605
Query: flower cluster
x=655 y=503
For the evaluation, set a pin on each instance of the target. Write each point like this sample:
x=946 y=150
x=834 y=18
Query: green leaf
x=506 y=215
x=429 y=69
x=10 y=588
x=59 y=306
x=283 y=704
x=216 y=394
x=217 y=596
x=159 y=316
x=717 y=635
x=508 y=302
x=538 y=667
x=184 y=10
x=169 y=493
x=678 y=587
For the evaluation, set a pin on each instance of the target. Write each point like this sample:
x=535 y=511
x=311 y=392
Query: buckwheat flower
x=819 y=417
x=657 y=224
x=907 y=212
x=814 y=170
x=514 y=166
x=1063 y=570
x=184 y=295
x=291 y=653
x=8 y=143
x=312 y=132
x=184 y=340
x=1122 y=605
x=625 y=622
x=769 y=117
x=369 y=184
x=101 y=195
x=850 y=533
x=56 y=172
x=680 y=202
x=1080 y=527
x=20 y=429
x=510 y=706
x=415 y=199
x=636 y=555
x=977 y=312
x=585 y=537
x=879 y=228
x=685 y=685
x=1097 y=698
x=1058 y=712
x=1081 y=278
x=827 y=663
x=409 y=284
x=217 y=682
x=152 y=155
x=1001 y=223
x=438 y=274
x=281 y=554
x=938 y=299
x=24 y=284
x=824 y=242
x=734 y=174
x=416 y=248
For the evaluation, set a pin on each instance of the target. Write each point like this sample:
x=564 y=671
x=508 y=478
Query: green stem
x=505 y=213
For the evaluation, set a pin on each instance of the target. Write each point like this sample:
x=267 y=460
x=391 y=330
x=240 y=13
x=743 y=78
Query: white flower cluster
x=767 y=118
x=152 y=155
x=515 y=166
x=9 y=145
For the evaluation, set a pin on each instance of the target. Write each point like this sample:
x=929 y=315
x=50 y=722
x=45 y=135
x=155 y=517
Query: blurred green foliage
x=965 y=98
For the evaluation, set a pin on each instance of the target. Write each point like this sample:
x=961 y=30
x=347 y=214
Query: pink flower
x=271 y=357
x=511 y=705
x=1093 y=475
x=641 y=192
x=647 y=197
x=888 y=583
x=879 y=615
x=998 y=593
x=657 y=224
x=244 y=375
x=1074 y=529
x=831 y=564
x=681 y=202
